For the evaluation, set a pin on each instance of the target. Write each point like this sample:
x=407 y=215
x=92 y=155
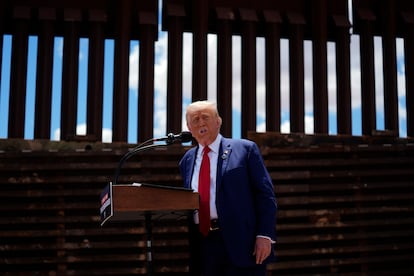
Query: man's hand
x=262 y=249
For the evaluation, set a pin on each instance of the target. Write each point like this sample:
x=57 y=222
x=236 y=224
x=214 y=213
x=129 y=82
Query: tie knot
x=206 y=150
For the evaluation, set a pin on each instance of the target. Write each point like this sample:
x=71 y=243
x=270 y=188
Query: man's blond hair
x=197 y=105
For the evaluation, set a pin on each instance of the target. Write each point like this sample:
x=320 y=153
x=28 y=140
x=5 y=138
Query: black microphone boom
x=184 y=137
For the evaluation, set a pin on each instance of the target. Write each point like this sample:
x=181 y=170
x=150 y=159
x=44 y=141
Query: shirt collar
x=215 y=146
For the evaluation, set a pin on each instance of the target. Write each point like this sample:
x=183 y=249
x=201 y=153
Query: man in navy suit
x=242 y=205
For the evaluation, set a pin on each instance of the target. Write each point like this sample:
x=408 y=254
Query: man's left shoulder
x=238 y=142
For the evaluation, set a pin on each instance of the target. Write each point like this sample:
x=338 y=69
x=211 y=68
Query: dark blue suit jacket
x=245 y=199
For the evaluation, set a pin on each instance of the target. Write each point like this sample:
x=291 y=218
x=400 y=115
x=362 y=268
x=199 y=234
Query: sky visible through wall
x=160 y=86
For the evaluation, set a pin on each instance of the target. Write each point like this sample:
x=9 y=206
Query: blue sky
x=160 y=86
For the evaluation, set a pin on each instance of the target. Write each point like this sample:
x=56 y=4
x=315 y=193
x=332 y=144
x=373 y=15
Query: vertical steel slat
x=367 y=72
x=18 y=74
x=121 y=72
x=44 y=74
x=343 y=80
x=408 y=19
x=146 y=82
x=320 y=70
x=200 y=21
x=296 y=72
x=248 y=89
x=175 y=68
x=70 y=74
x=224 y=68
x=94 y=112
x=389 y=56
x=272 y=63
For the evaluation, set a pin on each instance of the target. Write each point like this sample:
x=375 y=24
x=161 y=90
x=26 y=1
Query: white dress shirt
x=213 y=155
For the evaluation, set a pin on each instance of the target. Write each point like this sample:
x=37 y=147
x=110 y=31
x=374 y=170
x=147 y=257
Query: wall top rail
x=260 y=12
x=389 y=15
x=83 y=12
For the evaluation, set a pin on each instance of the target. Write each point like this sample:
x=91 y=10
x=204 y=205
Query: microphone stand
x=148 y=217
x=169 y=139
x=131 y=153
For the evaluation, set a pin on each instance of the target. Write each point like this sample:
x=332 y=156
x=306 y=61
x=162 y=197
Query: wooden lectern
x=131 y=202
x=123 y=202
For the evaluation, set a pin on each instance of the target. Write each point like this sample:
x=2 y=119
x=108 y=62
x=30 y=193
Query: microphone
x=184 y=137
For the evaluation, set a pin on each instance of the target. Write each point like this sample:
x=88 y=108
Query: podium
x=131 y=202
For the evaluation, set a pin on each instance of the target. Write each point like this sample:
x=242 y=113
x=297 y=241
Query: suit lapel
x=222 y=160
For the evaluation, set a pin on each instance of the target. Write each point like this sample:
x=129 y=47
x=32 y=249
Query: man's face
x=204 y=125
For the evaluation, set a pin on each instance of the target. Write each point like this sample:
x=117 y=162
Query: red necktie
x=204 y=191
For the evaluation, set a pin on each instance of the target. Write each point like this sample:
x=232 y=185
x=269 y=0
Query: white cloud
x=212 y=67
x=401 y=66
x=107 y=135
x=56 y=135
x=261 y=80
x=284 y=75
x=331 y=67
x=261 y=127
x=309 y=124
x=379 y=78
x=187 y=64
x=236 y=57
x=81 y=129
x=160 y=84
x=160 y=70
x=355 y=73
x=285 y=127
x=134 y=68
